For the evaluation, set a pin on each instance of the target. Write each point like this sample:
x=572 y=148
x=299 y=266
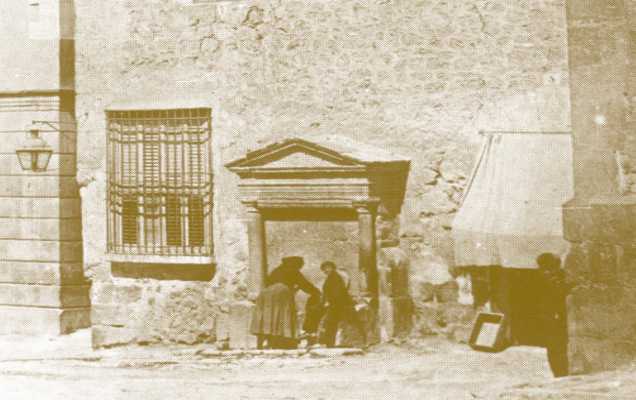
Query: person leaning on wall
x=555 y=291
x=274 y=317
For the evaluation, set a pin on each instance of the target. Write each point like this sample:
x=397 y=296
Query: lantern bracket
x=48 y=123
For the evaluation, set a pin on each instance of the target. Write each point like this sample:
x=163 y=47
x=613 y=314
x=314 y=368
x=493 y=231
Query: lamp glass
x=42 y=159
x=25 y=157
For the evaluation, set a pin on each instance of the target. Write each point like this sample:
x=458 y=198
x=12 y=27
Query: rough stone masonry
x=420 y=77
x=599 y=221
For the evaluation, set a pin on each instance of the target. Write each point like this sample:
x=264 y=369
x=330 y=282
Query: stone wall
x=599 y=220
x=420 y=77
x=38 y=30
x=601 y=269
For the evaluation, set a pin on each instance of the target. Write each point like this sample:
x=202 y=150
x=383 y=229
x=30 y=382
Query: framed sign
x=488 y=332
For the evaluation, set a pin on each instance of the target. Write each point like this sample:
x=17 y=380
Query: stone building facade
x=418 y=78
x=228 y=78
x=42 y=285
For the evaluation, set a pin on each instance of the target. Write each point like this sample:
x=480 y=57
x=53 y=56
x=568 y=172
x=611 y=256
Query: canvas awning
x=511 y=211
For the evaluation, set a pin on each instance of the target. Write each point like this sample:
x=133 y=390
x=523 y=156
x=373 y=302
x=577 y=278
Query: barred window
x=160 y=182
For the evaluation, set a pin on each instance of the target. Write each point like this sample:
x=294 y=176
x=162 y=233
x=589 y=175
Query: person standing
x=555 y=327
x=314 y=312
x=338 y=305
x=274 y=317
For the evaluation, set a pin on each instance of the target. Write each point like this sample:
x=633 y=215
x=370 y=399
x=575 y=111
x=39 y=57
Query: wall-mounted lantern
x=35 y=153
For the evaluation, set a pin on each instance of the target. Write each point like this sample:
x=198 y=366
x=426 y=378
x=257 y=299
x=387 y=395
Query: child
x=313 y=314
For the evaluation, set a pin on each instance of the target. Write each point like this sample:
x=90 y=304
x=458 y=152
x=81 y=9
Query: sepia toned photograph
x=318 y=199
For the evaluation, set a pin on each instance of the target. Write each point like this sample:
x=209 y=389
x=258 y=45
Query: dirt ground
x=430 y=369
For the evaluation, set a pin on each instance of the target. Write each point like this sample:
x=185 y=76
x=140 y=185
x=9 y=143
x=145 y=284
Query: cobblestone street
x=66 y=368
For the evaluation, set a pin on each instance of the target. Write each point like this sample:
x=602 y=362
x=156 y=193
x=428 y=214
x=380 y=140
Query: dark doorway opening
x=517 y=293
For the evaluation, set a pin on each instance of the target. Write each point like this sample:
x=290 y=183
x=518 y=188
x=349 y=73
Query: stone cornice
x=265 y=172
x=35 y=100
x=36 y=93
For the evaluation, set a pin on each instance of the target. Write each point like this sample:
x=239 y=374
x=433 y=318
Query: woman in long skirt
x=274 y=317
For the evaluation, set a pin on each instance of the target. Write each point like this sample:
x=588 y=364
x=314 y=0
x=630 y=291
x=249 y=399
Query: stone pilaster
x=599 y=221
x=601 y=267
x=368 y=248
x=257 y=250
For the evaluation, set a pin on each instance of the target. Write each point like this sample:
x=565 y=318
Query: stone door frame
x=326 y=176
x=366 y=211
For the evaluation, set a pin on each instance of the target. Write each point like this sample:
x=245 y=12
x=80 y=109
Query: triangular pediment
x=301 y=159
x=329 y=171
x=294 y=154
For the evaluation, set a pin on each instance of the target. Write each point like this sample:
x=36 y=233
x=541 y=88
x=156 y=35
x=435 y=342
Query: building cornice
x=36 y=93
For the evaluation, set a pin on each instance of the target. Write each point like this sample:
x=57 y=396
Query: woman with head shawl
x=274 y=317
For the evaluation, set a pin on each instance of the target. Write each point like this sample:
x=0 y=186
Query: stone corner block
x=238 y=325
x=43 y=321
x=110 y=336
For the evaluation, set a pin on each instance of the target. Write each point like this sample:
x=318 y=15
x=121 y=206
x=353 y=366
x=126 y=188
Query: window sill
x=159 y=259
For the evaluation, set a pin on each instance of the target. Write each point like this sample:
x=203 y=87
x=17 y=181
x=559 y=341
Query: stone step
x=315 y=352
x=336 y=352
x=43 y=321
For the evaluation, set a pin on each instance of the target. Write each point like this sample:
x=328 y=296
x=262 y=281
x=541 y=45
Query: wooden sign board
x=488 y=332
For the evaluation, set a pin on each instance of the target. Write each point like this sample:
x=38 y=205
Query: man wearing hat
x=338 y=304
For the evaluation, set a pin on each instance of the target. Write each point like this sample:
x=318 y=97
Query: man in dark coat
x=555 y=328
x=338 y=304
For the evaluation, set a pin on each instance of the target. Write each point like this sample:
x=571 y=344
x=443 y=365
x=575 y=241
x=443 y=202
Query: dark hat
x=549 y=261
x=327 y=264
x=293 y=261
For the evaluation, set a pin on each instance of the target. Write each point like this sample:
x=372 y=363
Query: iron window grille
x=159 y=182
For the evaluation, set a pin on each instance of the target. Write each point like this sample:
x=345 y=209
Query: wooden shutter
x=129 y=220
x=195 y=221
x=173 y=220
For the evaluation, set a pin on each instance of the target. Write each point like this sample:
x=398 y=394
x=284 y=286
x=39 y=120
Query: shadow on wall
x=182 y=272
